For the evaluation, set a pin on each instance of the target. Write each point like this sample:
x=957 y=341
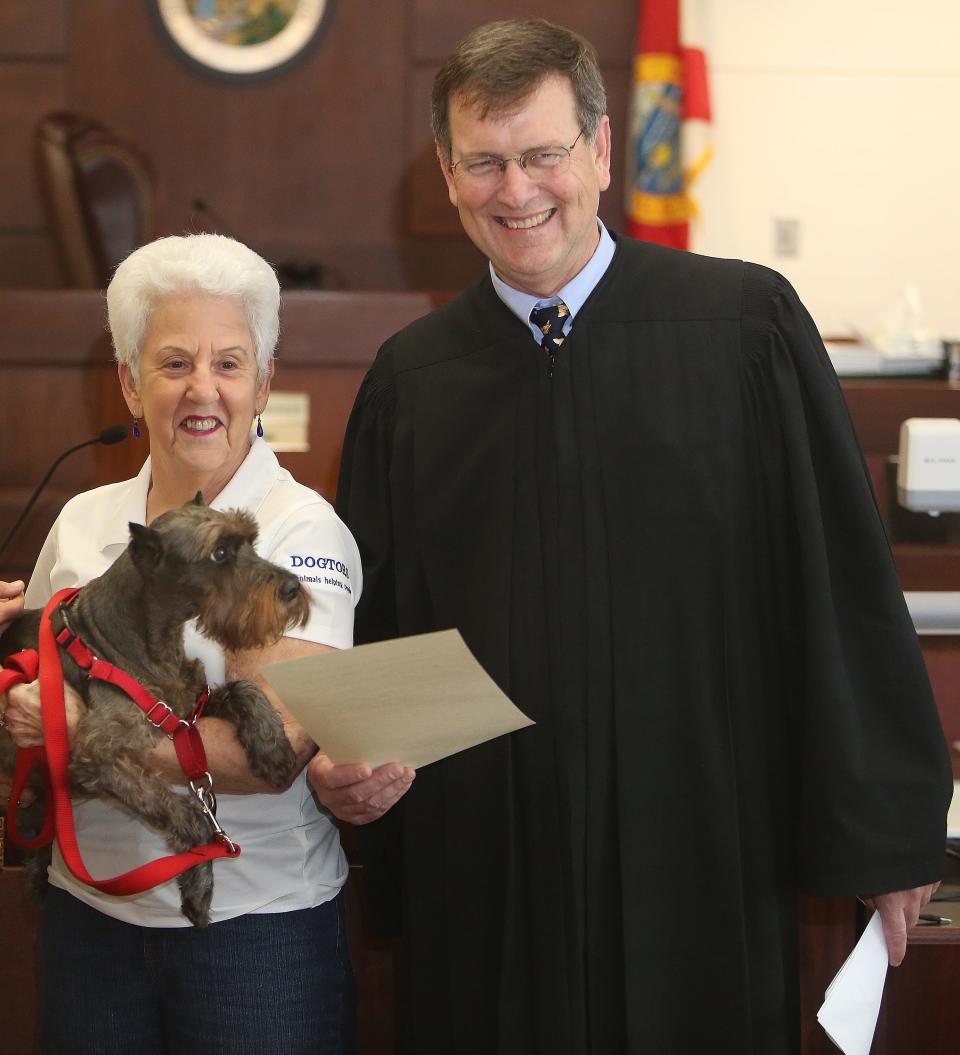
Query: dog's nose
x=289 y=590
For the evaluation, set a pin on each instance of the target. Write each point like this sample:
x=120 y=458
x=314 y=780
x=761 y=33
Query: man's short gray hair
x=209 y=265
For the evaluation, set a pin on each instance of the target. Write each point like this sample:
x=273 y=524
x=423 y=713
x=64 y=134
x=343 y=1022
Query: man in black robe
x=658 y=535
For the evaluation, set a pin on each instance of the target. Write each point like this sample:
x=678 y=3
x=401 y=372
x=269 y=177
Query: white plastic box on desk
x=928 y=473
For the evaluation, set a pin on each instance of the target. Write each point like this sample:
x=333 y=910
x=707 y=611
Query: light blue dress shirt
x=574 y=294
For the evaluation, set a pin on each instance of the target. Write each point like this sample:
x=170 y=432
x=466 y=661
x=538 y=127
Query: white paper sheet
x=852 y=1001
x=412 y=700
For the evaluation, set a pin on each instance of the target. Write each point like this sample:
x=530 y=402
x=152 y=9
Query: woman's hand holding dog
x=20 y=708
x=11 y=602
x=22 y=718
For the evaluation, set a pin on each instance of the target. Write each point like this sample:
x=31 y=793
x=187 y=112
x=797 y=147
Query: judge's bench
x=59 y=388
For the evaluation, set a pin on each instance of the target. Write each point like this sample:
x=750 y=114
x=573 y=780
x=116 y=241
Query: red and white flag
x=669 y=142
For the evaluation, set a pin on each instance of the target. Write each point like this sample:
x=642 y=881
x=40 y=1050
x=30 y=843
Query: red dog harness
x=54 y=756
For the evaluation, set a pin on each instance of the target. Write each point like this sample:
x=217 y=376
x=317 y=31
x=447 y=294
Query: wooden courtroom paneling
x=329 y=162
x=32 y=46
x=293 y=164
x=28 y=260
x=19 y=966
x=879 y=407
x=942 y=656
x=32 y=28
x=53 y=353
x=27 y=90
x=919 y=1009
x=438 y=25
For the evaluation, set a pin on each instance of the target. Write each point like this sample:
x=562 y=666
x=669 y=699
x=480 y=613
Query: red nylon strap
x=184 y=734
x=157 y=712
x=57 y=750
x=19 y=668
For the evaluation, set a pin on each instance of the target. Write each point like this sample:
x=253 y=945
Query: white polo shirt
x=291 y=856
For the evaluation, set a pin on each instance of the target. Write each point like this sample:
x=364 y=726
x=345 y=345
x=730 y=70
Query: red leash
x=18 y=669
x=54 y=758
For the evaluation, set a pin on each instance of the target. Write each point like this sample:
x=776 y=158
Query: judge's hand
x=11 y=602
x=20 y=709
x=356 y=793
x=899 y=911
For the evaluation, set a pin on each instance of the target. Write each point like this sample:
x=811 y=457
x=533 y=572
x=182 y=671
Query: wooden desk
x=918 y=1015
x=922 y=995
x=19 y=966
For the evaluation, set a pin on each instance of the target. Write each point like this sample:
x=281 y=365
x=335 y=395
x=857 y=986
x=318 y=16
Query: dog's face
x=206 y=556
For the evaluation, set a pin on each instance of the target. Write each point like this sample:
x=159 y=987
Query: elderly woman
x=194 y=322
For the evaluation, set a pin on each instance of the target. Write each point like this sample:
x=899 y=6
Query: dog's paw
x=274 y=762
x=259 y=730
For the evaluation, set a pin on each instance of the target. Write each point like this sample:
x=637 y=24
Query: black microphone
x=111 y=434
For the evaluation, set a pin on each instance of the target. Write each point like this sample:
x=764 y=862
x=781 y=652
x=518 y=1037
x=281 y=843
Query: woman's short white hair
x=205 y=264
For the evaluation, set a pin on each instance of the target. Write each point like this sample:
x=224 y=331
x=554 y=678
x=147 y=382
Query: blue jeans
x=273 y=984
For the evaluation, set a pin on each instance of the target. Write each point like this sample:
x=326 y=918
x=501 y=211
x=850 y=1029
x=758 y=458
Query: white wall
x=844 y=116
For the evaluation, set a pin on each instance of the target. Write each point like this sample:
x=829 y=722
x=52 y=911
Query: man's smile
x=525 y=222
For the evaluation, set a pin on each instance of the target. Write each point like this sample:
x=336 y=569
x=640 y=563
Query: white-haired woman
x=194 y=322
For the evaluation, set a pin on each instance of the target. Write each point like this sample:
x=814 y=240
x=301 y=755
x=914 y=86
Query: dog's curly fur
x=191 y=563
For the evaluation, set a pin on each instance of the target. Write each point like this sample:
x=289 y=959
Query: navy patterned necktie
x=550 y=319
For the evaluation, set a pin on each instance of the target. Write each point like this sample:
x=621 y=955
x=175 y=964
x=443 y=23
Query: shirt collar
x=130 y=507
x=247 y=489
x=574 y=294
x=251 y=483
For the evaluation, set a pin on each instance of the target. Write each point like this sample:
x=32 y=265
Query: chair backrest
x=99 y=193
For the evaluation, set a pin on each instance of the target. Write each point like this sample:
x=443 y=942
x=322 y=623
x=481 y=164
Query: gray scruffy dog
x=191 y=563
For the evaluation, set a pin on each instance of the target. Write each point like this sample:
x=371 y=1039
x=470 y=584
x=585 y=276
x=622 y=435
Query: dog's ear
x=198 y=499
x=145 y=546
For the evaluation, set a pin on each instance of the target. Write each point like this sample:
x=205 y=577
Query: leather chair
x=99 y=194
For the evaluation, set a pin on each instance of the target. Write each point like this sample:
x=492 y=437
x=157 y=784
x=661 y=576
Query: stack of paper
x=855 y=359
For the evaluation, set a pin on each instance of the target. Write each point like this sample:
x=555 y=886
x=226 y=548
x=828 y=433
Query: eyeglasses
x=539 y=163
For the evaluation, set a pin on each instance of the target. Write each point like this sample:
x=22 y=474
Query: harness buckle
x=165 y=711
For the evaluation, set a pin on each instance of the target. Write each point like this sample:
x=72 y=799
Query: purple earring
x=136 y=428
x=259 y=426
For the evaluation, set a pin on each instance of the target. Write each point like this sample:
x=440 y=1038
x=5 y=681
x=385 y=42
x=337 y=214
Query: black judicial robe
x=669 y=556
